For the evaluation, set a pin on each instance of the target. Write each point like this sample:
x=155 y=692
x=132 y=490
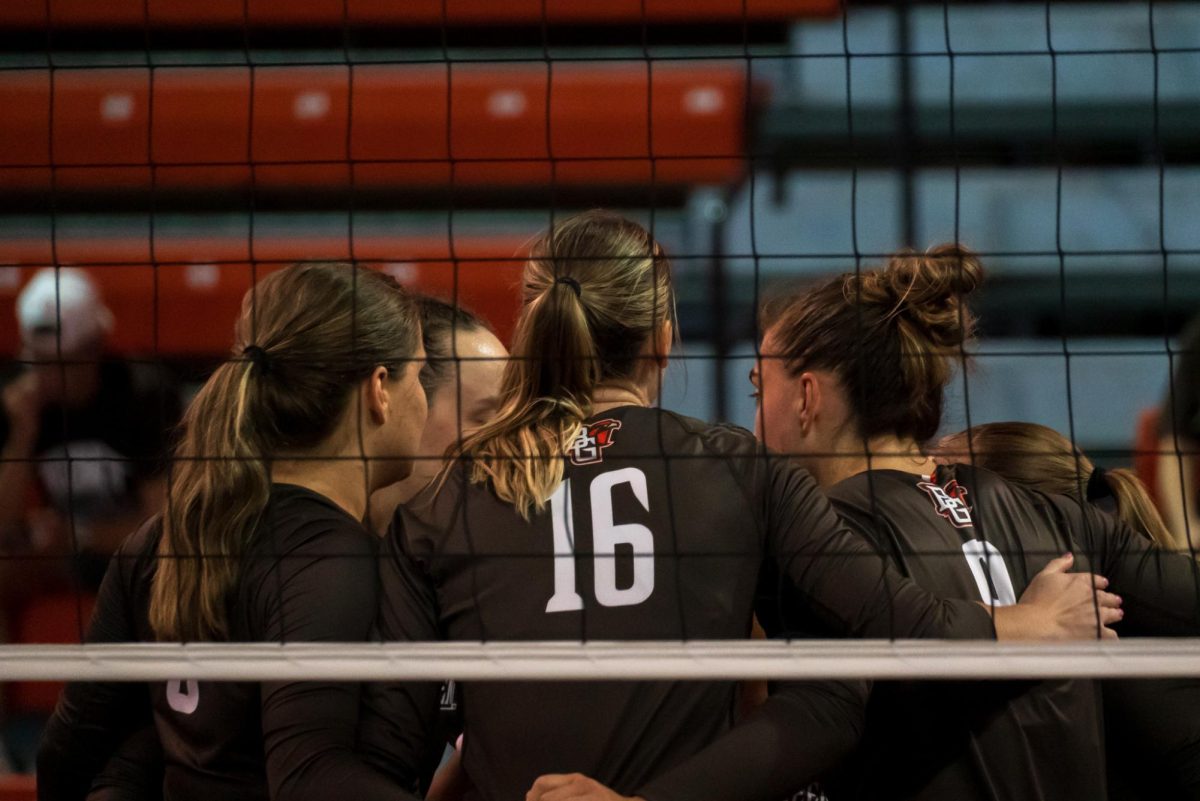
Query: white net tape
x=550 y=661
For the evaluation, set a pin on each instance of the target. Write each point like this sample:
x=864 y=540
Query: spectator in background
x=68 y=397
x=1179 y=443
x=461 y=377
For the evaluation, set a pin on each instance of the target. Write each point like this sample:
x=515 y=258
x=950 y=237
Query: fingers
x=1099 y=582
x=549 y=781
x=1108 y=600
x=1109 y=616
x=582 y=789
x=547 y=787
x=571 y=792
x=1060 y=565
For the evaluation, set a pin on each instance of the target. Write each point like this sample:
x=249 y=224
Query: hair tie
x=258 y=358
x=571 y=282
x=1097 y=485
x=1098 y=488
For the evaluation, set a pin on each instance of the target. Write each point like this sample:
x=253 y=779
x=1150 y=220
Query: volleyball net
x=179 y=152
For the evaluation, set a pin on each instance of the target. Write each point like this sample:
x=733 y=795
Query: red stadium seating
x=201 y=281
x=235 y=13
x=18 y=787
x=474 y=125
x=58 y=618
x=1145 y=450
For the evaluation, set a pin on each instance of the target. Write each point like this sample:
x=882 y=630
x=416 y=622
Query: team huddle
x=546 y=496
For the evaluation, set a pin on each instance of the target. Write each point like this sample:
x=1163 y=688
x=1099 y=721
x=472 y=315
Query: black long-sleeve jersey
x=310 y=575
x=1152 y=738
x=657 y=532
x=134 y=771
x=966 y=533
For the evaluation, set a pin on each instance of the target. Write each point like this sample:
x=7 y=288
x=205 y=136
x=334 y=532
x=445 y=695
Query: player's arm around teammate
x=839 y=581
x=262 y=541
x=851 y=384
x=575 y=444
x=1152 y=726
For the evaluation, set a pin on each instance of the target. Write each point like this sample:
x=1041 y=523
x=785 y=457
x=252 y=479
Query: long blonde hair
x=306 y=335
x=596 y=288
x=1040 y=458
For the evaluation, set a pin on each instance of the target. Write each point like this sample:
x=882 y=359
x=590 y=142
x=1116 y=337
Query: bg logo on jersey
x=950 y=502
x=588 y=447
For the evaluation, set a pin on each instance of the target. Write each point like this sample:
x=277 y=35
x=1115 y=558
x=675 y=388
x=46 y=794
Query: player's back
x=656 y=533
x=213 y=733
x=966 y=533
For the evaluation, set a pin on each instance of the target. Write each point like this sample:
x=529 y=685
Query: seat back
x=1145 y=451
x=57 y=618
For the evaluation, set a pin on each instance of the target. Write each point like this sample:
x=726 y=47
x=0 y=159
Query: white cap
x=68 y=295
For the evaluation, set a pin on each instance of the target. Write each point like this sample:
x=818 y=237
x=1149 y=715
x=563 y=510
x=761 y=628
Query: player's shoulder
x=143 y=541
x=872 y=486
x=136 y=559
x=304 y=521
x=679 y=429
x=880 y=489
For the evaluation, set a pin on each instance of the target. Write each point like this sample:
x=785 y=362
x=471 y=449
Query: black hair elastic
x=571 y=282
x=1099 y=493
x=258 y=357
x=1097 y=486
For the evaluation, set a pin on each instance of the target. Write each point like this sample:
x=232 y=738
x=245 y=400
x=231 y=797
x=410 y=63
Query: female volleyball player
x=464 y=364
x=584 y=513
x=1040 y=458
x=851 y=383
x=1151 y=726
x=262 y=541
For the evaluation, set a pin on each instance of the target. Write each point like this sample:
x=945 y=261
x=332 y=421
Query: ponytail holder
x=1097 y=486
x=1099 y=492
x=571 y=282
x=258 y=358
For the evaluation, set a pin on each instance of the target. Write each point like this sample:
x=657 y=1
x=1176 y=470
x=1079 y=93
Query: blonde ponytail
x=211 y=522
x=595 y=290
x=318 y=330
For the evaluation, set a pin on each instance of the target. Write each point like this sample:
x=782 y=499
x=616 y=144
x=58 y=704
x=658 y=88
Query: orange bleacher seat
x=58 y=618
x=200 y=281
x=472 y=125
x=18 y=787
x=1145 y=450
x=306 y=13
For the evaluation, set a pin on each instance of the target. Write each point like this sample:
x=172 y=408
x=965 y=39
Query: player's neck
x=342 y=481
x=610 y=396
x=885 y=453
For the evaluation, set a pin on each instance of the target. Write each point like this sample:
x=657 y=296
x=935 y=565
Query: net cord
x=600 y=661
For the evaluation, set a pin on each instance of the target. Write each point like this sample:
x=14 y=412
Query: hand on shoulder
x=573 y=786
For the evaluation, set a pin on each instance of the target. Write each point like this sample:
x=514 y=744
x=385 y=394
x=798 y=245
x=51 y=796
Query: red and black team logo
x=588 y=447
x=949 y=501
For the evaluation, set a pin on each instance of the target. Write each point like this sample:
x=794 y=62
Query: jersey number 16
x=606 y=536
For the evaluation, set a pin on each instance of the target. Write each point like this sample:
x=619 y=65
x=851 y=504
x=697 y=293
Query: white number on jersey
x=606 y=536
x=990 y=572
x=183 y=696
